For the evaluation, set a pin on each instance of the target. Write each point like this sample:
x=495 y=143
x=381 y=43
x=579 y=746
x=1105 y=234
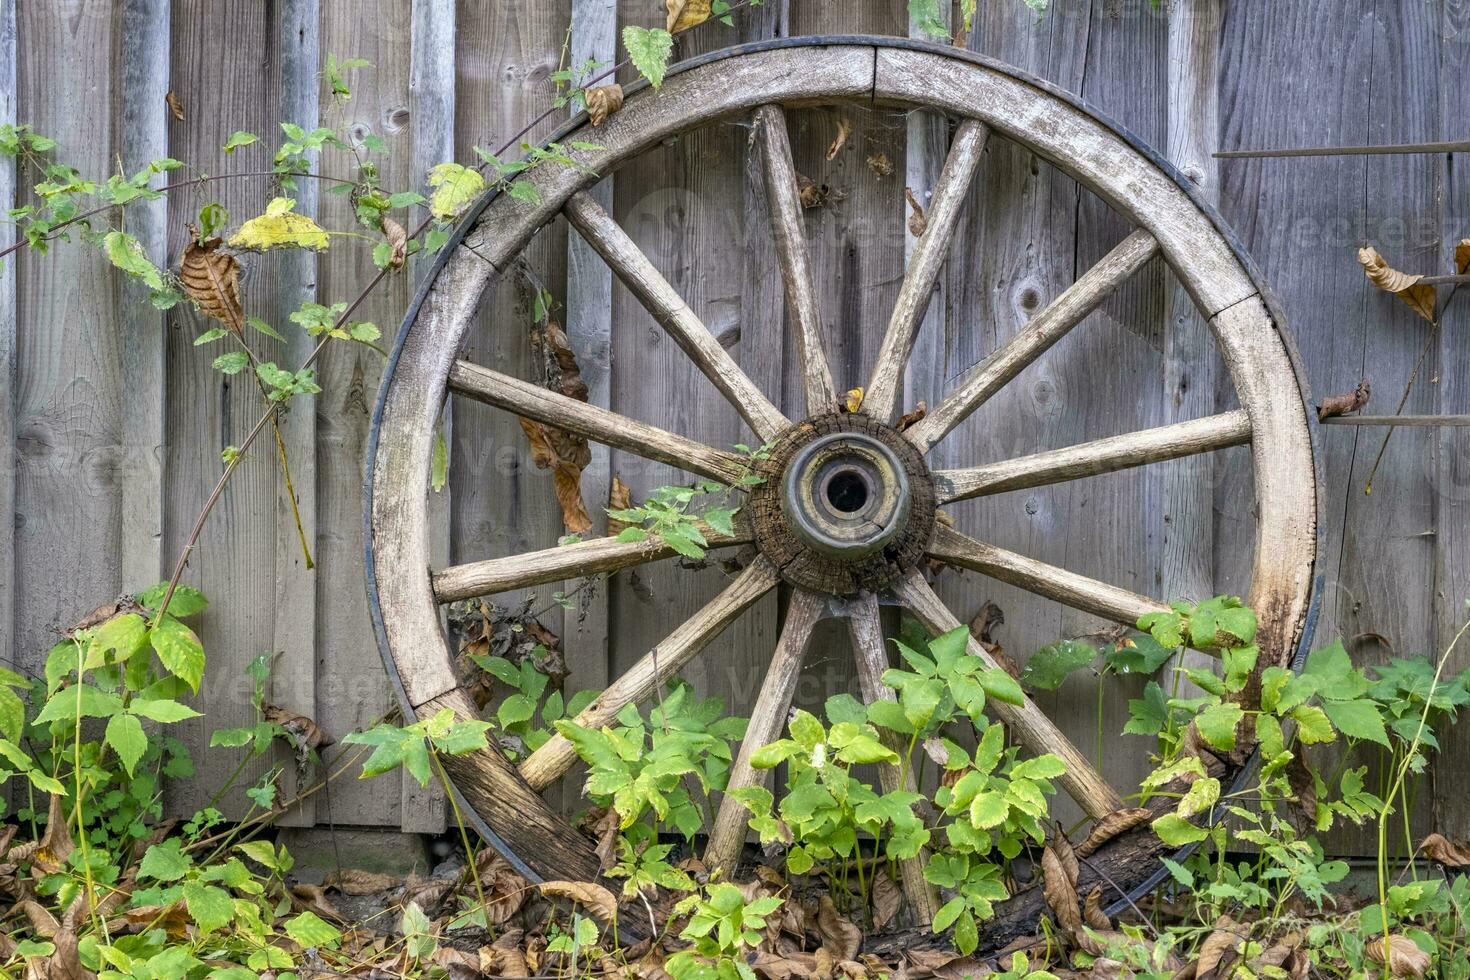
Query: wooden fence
x=114 y=422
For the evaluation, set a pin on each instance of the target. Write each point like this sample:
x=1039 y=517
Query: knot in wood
x=846 y=505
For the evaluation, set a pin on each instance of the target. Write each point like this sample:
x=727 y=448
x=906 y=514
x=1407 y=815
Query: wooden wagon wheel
x=848 y=506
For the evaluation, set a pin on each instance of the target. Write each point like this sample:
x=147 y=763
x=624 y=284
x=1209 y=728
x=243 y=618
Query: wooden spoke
x=558 y=564
x=784 y=200
x=1092 y=458
x=872 y=660
x=610 y=428
x=767 y=719
x=1039 y=578
x=660 y=299
x=881 y=399
x=1027 y=722
x=548 y=763
x=1034 y=339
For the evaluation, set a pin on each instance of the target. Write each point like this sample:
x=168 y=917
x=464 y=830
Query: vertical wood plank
x=1451 y=472
x=589 y=327
x=225 y=87
x=293 y=682
x=8 y=318
x=69 y=389
x=1363 y=74
x=431 y=115
x=143 y=51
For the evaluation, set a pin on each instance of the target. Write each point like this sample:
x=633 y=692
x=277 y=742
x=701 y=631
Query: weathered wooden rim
x=467 y=224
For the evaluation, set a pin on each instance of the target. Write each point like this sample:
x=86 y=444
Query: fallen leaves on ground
x=355 y=881
x=1112 y=825
x=1452 y=854
x=593 y=898
x=1400 y=954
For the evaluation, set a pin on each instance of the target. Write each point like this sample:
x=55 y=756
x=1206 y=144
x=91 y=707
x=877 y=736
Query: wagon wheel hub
x=845 y=505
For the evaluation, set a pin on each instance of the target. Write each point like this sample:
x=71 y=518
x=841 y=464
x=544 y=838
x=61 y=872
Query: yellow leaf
x=1418 y=296
x=684 y=14
x=455 y=186
x=280 y=227
x=854 y=400
x=1462 y=256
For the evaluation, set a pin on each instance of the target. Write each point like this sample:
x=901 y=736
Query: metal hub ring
x=846 y=495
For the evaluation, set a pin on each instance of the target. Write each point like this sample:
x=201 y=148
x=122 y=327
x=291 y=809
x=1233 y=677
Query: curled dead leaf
x=1110 y=826
x=398 y=241
x=811 y=195
x=1451 y=854
x=853 y=401
x=887 y=898
x=839 y=936
x=602 y=102
x=1059 y=883
x=590 y=895
x=1462 y=257
x=43 y=923
x=504 y=957
x=918 y=223
x=175 y=105
x=1418 y=296
x=1219 y=947
x=914 y=417
x=1400 y=954
x=56 y=845
x=565 y=454
x=684 y=14
x=1092 y=911
x=619 y=497
x=880 y=164
x=313 y=898
x=212 y=280
x=1351 y=401
x=299 y=727
x=844 y=130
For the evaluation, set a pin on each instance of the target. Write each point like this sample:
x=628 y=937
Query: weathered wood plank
x=586 y=632
x=9 y=317
x=431 y=77
x=298 y=42
x=143 y=136
x=224 y=89
x=68 y=397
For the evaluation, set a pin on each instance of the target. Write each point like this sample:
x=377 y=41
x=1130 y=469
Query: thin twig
x=1446 y=146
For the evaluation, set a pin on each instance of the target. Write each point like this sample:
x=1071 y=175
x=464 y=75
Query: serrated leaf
x=1312 y=725
x=125 y=735
x=1357 y=719
x=1217 y=723
x=649 y=48
x=179 y=650
x=1053 y=664
x=280 y=227
x=455 y=187
x=312 y=932
x=1175 y=831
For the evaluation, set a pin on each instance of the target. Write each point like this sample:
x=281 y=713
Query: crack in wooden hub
x=846 y=505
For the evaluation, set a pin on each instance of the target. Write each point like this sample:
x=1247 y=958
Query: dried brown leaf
x=212 y=280
x=1462 y=256
x=1092 y=912
x=1059 y=884
x=313 y=898
x=1452 y=854
x=811 y=195
x=56 y=845
x=914 y=417
x=1400 y=954
x=774 y=966
x=398 y=241
x=619 y=497
x=839 y=936
x=880 y=165
x=684 y=14
x=1219 y=947
x=1351 y=401
x=175 y=105
x=887 y=898
x=918 y=223
x=1115 y=823
x=565 y=454
x=504 y=957
x=66 y=960
x=355 y=881
x=590 y=895
x=602 y=102
x=844 y=130
x=1418 y=296
x=43 y=923
x=301 y=728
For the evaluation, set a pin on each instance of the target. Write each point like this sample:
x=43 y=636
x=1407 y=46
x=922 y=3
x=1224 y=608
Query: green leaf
x=1217 y=723
x=1175 y=831
x=1002 y=686
x=1357 y=719
x=125 y=735
x=12 y=715
x=165 y=862
x=126 y=252
x=988 y=810
x=210 y=907
x=1150 y=714
x=179 y=650
x=924 y=15
x=1041 y=767
x=184 y=603
x=163 y=709
x=260 y=326
x=515 y=709
x=312 y=932
x=650 y=49
x=1053 y=664
x=81 y=700
x=1203 y=793
x=232 y=363
x=455 y=187
x=238 y=139
x=123 y=635
x=1313 y=725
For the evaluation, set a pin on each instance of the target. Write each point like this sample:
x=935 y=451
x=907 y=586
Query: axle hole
x=847 y=491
